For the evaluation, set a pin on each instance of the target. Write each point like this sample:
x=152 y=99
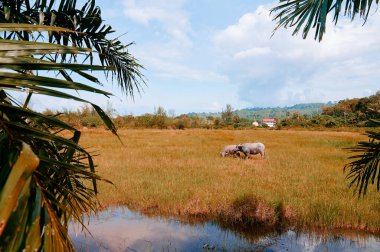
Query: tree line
x=86 y=116
x=356 y=112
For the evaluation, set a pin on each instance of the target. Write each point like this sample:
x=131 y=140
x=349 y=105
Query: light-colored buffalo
x=229 y=150
x=252 y=148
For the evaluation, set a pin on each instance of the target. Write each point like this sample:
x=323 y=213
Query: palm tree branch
x=89 y=32
x=305 y=14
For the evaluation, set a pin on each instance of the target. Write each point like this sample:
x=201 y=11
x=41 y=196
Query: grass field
x=180 y=173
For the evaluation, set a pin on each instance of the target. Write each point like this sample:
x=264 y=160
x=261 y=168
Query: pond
x=120 y=229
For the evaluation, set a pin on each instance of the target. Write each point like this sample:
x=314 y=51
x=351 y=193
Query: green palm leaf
x=90 y=32
x=18 y=179
x=306 y=14
x=44 y=174
x=365 y=169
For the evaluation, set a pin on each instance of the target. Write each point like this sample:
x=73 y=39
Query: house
x=271 y=122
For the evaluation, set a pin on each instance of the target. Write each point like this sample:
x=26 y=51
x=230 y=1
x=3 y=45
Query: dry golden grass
x=180 y=173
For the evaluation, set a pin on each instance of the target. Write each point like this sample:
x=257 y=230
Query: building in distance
x=271 y=122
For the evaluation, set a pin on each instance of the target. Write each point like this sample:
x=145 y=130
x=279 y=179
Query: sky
x=201 y=55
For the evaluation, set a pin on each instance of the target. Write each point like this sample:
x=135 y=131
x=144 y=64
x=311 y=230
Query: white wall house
x=271 y=122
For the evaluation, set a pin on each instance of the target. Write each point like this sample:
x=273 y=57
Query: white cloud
x=286 y=69
x=168 y=54
x=256 y=51
x=168 y=61
x=251 y=30
x=169 y=14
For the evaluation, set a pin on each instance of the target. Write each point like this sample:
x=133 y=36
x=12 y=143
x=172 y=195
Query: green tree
x=45 y=175
x=307 y=14
x=227 y=115
x=160 y=117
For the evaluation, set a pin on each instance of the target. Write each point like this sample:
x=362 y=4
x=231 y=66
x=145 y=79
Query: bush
x=91 y=121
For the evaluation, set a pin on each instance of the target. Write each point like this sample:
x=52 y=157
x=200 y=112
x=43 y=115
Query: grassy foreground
x=180 y=173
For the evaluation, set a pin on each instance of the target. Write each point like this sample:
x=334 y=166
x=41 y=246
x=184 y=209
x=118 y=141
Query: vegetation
x=357 y=112
x=366 y=165
x=258 y=113
x=348 y=113
x=180 y=173
x=85 y=116
x=46 y=178
x=228 y=115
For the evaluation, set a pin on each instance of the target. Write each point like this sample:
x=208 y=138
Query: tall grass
x=172 y=172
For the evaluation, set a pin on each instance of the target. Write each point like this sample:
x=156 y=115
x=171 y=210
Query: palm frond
x=365 y=169
x=307 y=14
x=18 y=179
x=44 y=174
x=90 y=32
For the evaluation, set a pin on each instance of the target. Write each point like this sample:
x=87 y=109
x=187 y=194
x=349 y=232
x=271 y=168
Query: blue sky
x=201 y=55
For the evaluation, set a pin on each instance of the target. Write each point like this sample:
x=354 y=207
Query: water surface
x=120 y=229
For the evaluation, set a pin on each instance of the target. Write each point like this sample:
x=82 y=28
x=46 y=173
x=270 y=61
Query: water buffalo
x=252 y=148
x=229 y=150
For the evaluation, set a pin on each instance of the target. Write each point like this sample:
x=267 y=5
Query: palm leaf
x=28 y=27
x=18 y=179
x=307 y=14
x=38 y=199
x=90 y=32
x=365 y=169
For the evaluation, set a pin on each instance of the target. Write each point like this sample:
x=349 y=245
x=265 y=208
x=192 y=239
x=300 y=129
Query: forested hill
x=277 y=112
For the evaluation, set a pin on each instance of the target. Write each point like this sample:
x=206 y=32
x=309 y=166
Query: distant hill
x=274 y=112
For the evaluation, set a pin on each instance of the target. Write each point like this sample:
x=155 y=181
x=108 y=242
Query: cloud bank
x=286 y=69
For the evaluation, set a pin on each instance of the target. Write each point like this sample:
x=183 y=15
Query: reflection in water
x=122 y=230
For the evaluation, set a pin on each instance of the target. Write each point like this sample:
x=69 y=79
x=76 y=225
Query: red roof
x=269 y=120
